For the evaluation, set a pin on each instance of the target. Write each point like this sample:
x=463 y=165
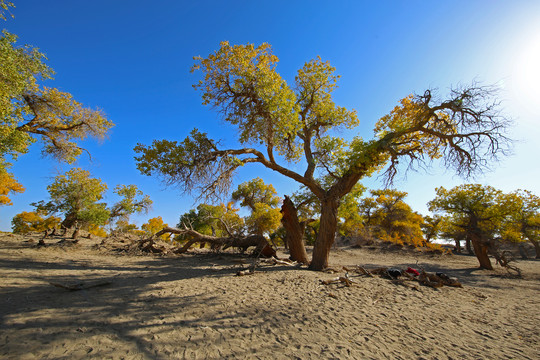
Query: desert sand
x=194 y=306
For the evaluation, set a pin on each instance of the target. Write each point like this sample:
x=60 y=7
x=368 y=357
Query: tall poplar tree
x=278 y=124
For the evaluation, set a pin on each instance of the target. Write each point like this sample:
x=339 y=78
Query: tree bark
x=522 y=252
x=326 y=235
x=468 y=246
x=481 y=248
x=69 y=221
x=536 y=248
x=458 y=246
x=294 y=232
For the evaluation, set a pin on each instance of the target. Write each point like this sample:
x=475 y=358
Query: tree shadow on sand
x=146 y=306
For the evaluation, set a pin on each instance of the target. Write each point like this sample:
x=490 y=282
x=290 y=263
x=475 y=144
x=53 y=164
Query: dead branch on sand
x=216 y=243
x=81 y=285
x=434 y=280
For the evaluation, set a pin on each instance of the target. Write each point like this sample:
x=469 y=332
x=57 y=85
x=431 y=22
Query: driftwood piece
x=41 y=241
x=359 y=270
x=276 y=261
x=340 y=279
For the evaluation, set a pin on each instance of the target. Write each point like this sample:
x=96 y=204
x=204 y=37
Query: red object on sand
x=415 y=272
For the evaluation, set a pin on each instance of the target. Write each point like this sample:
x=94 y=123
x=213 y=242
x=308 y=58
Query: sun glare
x=526 y=77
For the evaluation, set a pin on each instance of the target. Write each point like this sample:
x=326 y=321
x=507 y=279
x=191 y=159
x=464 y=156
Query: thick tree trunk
x=69 y=221
x=326 y=235
x=481 y=248
x=458 y=246
x=536 y=248
x=294 y=232
x=522 y=252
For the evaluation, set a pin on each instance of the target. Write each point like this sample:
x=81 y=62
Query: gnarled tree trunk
x=481 y=248
x=294 y=232
x=69 y=221
x=326 y=235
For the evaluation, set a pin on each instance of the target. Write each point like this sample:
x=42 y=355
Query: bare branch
x=467 y=131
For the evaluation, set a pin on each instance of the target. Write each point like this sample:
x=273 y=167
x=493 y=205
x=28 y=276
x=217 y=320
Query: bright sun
x=526 y=77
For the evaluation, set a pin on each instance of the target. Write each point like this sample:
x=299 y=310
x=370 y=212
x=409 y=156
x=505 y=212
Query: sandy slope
x=194 y=307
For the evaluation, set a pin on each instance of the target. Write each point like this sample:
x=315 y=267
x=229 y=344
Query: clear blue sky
x=132 y=59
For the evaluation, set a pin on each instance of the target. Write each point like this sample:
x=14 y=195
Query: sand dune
x=194 y=307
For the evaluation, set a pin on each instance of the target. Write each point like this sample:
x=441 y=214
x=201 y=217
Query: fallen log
x=217 y=243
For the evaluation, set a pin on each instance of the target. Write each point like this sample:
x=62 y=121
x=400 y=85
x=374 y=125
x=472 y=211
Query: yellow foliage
x=25 y=222
x=153 y=226
x=264 y=218
x=403 y=121
x=97 y=230
x=8 y=184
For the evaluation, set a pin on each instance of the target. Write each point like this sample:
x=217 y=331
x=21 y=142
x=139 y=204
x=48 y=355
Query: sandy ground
x=194 y=307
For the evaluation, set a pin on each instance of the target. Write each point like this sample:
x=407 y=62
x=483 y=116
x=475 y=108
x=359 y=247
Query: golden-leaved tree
x=477 y=212
x=279 y=124
x=262 y=201
x=153 y=225
x=133 y=201
x=8 y=185
x=76 y=196
x=523 y=223
x=29 y=221
x=389 y=218
x=32 y=112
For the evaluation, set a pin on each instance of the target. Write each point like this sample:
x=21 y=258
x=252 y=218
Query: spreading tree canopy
x=524 y=221
x=30 y=112
x=25 y=222
x=76 y=195
x=279 y=124
x=476 y=211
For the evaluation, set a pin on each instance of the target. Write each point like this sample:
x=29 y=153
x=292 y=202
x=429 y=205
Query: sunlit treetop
x=259 y=102
x=30 y=111
x=132 y=201
x=75 y=194
x=466 y=130
x=242 y=83
x=256 y=191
